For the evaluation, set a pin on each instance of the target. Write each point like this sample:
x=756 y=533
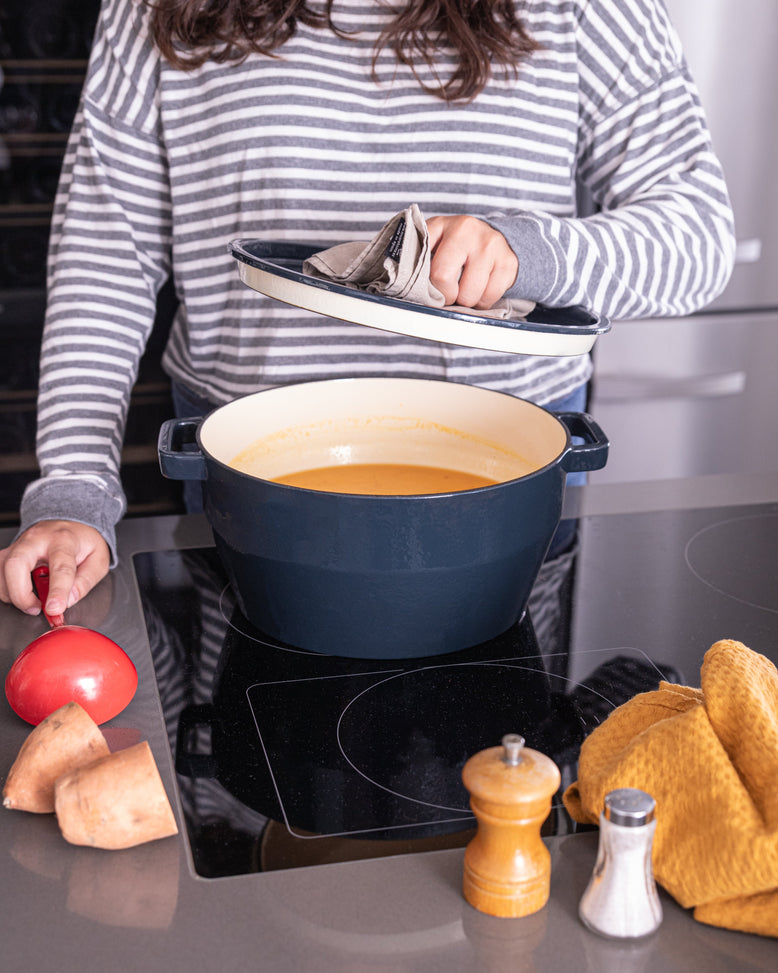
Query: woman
x=315 y=121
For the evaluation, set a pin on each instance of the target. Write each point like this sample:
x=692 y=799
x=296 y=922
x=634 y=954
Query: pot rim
x=371 y=497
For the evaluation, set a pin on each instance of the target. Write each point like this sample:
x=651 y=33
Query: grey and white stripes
x=164 y=168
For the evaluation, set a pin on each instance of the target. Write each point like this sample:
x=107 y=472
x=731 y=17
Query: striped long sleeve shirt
x=165 y=167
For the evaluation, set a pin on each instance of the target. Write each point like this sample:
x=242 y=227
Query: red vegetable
x=71 y=663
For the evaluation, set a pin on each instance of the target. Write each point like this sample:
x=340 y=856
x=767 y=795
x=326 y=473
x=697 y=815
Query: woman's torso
x=307 y=147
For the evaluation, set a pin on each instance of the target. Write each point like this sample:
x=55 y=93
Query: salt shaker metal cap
x=629 y=807
x=621 y=899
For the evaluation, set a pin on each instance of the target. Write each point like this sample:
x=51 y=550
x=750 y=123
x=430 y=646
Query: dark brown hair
x=482 y=33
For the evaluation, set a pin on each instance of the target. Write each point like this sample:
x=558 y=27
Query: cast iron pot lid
x=275 y=269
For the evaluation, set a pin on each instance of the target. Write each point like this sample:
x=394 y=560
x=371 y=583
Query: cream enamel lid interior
x=274 y=268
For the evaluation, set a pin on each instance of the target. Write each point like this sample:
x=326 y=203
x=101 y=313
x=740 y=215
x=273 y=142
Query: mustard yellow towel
x=709 y=757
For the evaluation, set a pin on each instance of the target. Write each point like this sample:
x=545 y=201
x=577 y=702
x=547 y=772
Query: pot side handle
x=180 y=457
x=592 y=452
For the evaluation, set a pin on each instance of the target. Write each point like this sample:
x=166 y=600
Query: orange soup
x=386 y=479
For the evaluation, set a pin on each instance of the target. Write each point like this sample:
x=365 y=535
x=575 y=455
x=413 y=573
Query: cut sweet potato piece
x=117 y=801
x=66 y=739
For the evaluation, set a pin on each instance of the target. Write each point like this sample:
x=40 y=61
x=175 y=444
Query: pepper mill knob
x=507 y=870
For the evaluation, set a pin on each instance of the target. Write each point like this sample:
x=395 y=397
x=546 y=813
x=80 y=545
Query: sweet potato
x=117 y=801
x=66 y=739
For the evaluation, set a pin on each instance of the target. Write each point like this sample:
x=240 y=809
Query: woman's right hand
x=77 y=556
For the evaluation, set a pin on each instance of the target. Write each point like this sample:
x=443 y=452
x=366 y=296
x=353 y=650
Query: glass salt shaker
x=621 y=899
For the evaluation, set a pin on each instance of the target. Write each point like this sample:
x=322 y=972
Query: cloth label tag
x=395 y=246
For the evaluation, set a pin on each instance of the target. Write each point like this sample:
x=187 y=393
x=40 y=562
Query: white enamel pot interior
x=384 y=421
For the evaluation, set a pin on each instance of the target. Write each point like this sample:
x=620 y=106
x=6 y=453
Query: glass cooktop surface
x=287 y=758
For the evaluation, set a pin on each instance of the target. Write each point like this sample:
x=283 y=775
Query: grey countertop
x=67 y=908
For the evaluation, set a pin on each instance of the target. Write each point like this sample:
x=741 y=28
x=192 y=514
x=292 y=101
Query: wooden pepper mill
x=507 y=867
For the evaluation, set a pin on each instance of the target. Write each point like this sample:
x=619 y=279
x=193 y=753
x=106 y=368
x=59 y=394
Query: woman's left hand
x=472 y=264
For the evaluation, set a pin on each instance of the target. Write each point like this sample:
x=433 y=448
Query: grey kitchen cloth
x=396 y=263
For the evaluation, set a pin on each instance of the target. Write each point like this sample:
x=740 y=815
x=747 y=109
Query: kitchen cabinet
x=683 y=397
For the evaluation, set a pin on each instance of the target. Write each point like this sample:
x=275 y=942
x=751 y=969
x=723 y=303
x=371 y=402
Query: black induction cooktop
x=286 y=757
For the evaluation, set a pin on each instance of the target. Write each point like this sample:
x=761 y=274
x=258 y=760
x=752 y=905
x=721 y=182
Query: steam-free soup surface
x=388 y=479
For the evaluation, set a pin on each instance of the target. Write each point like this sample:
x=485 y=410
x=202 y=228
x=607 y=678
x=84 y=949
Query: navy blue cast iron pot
x=372 y=576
